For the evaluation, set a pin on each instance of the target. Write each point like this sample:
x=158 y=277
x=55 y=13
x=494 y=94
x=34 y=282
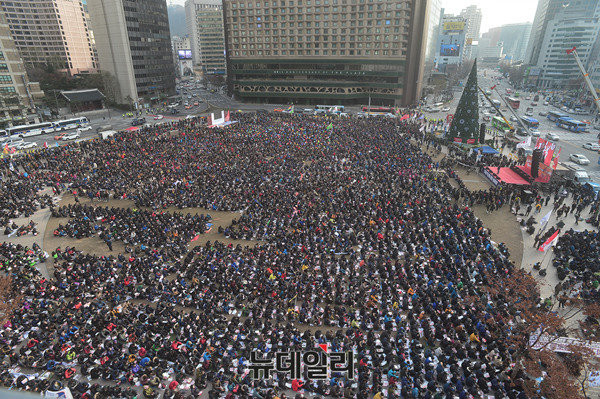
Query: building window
x=5 y=79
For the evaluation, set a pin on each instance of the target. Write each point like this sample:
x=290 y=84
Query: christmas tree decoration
x=465 y=123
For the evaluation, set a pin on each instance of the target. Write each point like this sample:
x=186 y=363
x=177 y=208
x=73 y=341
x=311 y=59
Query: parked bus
x=531 y=123
x=330 y=108
x=500 y=124
x=554 y=115
x=69 y=124
x=30 y=130
x=496 y=103
x=572 y=124
x=513 y=102
x=374 y=108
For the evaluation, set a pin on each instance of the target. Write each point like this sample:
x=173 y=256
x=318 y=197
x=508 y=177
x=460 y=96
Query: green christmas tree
x=465 y=123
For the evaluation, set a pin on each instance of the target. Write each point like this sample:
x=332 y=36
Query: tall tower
x=472 y=15
x=134 y=45
x=51 y=32
x=204 y=19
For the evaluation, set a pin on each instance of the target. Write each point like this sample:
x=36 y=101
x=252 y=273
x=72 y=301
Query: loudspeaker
x=535 y=162
x=482 y=133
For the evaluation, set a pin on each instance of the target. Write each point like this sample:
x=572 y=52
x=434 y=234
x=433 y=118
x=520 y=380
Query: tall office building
x=16 y=93
x=182 y=55
x=133 y=43
x=451 y=43
x=204 y=20
x=472 y=16
x=575 y=25
x=326 y=51
x=433 y=31
x=549 y=10
x=514 y=39
x=51 y=32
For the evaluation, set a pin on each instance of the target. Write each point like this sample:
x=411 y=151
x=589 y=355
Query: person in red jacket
x=297 y=385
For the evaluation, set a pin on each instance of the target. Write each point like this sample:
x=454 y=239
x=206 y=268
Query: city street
x=569 y=142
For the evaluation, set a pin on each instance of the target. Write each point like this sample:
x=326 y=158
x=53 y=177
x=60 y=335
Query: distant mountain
x=177 y=20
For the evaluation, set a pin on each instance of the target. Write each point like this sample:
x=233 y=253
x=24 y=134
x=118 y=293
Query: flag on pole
x=545 y=219
x=525 y=143
x=549 y=242
x=329 y=127
x=11 y=166
x=227 y=117
x=45 y=144
x=555 y=159
x=405 y=117
x=6 y=148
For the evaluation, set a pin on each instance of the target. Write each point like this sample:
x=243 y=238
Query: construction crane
x=586 y=77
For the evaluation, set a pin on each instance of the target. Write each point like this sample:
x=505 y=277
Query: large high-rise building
x=16 y=93
x=514 y=39
x=51 y=32
x=548 y=10
x=472 y=15
x=206 y=31
x=451 y=43
x=433 y=31
x=564 y=26
x=133 y=43
x=326 y=51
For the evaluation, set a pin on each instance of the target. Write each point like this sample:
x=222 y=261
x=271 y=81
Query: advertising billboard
x=454 y=25
x=450 y=50
x=184 y=54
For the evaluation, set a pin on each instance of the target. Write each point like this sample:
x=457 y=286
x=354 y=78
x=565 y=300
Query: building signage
x=455 y=25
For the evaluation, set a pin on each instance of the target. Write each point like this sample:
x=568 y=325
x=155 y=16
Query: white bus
x=330 y=108
x=30 y=130
x=69 y=124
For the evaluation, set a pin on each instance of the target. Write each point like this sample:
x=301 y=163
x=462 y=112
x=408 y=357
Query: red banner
x=548 y=152
x=555 y=159
x=449 y=118
x=549 y=242
x=457 y=140
x=541 y=143
x=470 y=141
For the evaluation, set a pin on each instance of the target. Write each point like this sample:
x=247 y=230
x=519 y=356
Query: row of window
x=290 y=3
x=6 y=90
x=321 y=52
x=321 y=44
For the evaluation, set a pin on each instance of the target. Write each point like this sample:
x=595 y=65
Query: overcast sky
x=495 y=12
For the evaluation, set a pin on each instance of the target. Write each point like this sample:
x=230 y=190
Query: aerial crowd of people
x=356 y=239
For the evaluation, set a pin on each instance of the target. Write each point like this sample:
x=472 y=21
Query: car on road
x=542 y=113
x=535 y=133
x=84 y=128
x=592 y=146
x=158 y=117
x=138 y=121
x=27 y=146
x=445 y=109
x=534 y=104
x=546 y=103
x=513 y=118
x=196 y=104
x=552 y=136
x=60 y=135
x=580 y=159
x=528 y=98
x=71 y=136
